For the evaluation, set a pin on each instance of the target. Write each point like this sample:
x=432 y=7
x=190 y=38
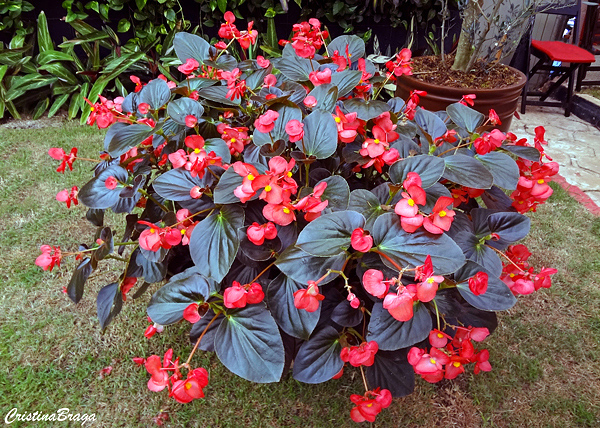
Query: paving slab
x=574 y=144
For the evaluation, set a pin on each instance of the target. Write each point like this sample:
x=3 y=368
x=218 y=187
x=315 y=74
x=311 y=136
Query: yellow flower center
x=92 y=109
x=442 y=213
x=233 y=140
x=540 y=181
x=376 y=141
x=211 y=161
x=183 y=231
x=440 y=335
x=152 y=230
x=430 y=280
x=289 y=174
x=337 y=119
x=250 y=177
x=188 y=385
x=456 y=364
x=286 y=210
x=411 y=202
x=432 y=361
x=512 y=275
x=268 y=188
x=196 y=150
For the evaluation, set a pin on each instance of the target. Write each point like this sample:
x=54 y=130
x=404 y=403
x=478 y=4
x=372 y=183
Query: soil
x=431 y=69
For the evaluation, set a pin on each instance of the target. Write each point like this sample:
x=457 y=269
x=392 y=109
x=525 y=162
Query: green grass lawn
x=545 y=353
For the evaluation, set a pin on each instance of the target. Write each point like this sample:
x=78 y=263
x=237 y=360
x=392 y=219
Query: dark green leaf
x=302 y=267
x=457 y=311
x=95 y=194
x=318 y=360
x=190 y=46
x=40 y=108
x=286 y=113
x=280 y=299
x=52 y=55
x=503 y=168
x=180 y=108
x=175 y=185
x=465 y=117
x=529 y=153
x=223 y=193
x=80 y=276
x=329 y=234
x=355 y=45
x=109 y=303
x=44 y=39
x=126 y=137
x=429 y=168
x=58 y=103
x=411 y=249
x=430 y=123
x=293 y=67
x=168 y=303
x=214 y=242
x=346 y=81
x=208 y=340
x=392 y=371
x=467 y=171
x=107 y=246
x=218 y=94
x=156 y=94
x=366 y=110
x=326 y=96
x=510 y=227
x=392 y=334
x=345 y=315
x=320 y=135
x=337 y=193
x=366 y=203
x=248 y=343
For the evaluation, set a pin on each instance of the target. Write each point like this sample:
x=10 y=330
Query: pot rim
x=460 y=91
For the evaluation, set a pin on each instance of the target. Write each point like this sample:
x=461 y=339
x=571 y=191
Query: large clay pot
x=503 y=100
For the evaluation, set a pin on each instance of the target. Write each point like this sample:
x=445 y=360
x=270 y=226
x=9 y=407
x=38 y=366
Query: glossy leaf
x=366 y=203
x=337 y=193
x=392 y=334
x=465 y=117
x=248 y=343
x=294 y=67
x=529 y=153
x=175 y=185
x=108 y=303
x=218 y=94
x=318 y=359
x=190 y=46
x=77 y=282
x=346 y=81
x=95 y=194
x=392 y=371
x=366 y=110
x=286 y=113
x=345 y=315
x=430 y=123
x=180 y=108
x=497 y=297
x=214 y=242
x=320 y=135
x=354 y=44
x=303 y=267
x=208 y=340
x=429 y=168
x=168 y=303
x=156 y=94
x=329 y=234
x=124 y=138
x=326 y=96
x=503 y=168
x=467 y=171
x=280 y=299
x=223 y=193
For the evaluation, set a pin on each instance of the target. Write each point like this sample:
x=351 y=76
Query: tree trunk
x=464 y=50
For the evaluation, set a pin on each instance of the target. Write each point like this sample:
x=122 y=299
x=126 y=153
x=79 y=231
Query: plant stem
x=506 y=257
x=437 y=313
x=362 y=372
x=385 y=256
x=200 y=338
x=262 y=272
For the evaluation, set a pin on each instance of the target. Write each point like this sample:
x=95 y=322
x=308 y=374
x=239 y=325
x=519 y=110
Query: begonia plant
x=303 y=221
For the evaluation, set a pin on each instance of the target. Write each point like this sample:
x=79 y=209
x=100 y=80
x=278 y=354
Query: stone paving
x=574 y=144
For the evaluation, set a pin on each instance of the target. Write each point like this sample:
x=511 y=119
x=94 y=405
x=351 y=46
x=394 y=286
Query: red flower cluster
x=154 y=237
x=238 y=296
x=348 y=125
x=401 y=65
x=50 y=257
x=519 y=276
x=197 y=160
x=407 y=207
x=368 y=406
x=105 y=112
x=183 y=391
x=67 y=159
x=378 y=148
x=229 y=31
x=235 y=138
x=453 y=353
x=412 y=103
x=489 y=141
x=308 y=298
x=361 y=355
x=307 y=38
x=533 y=188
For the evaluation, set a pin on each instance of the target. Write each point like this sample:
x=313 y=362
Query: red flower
x=400 y=304
x=190 y=313
x=441 y=217
x=308 y=298
x=270 y=80
x=489 y=142
x=310 y=101
x=362 y=355
x=368 y=406
x=67 y=159
x=354 y=301
x=68 y=197
x=144 y=108
x=228 y=30
x=401 y=65
x=262 y=62
x=138 y=83
x=361 y=240
x=266 y=122
x=468 y=99
x=189 y=67
x=111 y=183
x=478 y=283
x=50 y=257
x=427 y=288
x=494 y=118
x=184 y=391
x=190 y=121
x=438 y=339
x=159 y=378
x=127 y=284
x=257 y=232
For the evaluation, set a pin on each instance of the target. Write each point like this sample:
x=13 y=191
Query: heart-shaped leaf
x=320 y=135
x=392 y=334
x=318 y=360
x=329 y=234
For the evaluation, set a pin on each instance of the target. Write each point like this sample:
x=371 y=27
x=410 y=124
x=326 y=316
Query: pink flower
x=111 y=183
x=400 y=305
x=184 y=391
x=320 y=77
x=68 y=196
x=362 y=355
x=191 y=313
x=189 y=67
x=441 y=217
x=196 y=192
x=257 y=232
x=270 y=80
x=266 y=122
x=361 y=240
x=50 y=257
x=237 y=296
x=294 y=129
x=262 y=62
x=159 y=378
x=67 y=159
x=438 y=339
x=368 y=406
x=144 y=108
x=308 y=298
x=374 y=284
x=190 y=121
x=310 y=101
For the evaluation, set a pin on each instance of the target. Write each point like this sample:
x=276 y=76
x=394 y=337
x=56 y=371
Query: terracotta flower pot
x=503 y=100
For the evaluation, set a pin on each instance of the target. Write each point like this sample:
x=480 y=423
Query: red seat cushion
x=564 y=52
